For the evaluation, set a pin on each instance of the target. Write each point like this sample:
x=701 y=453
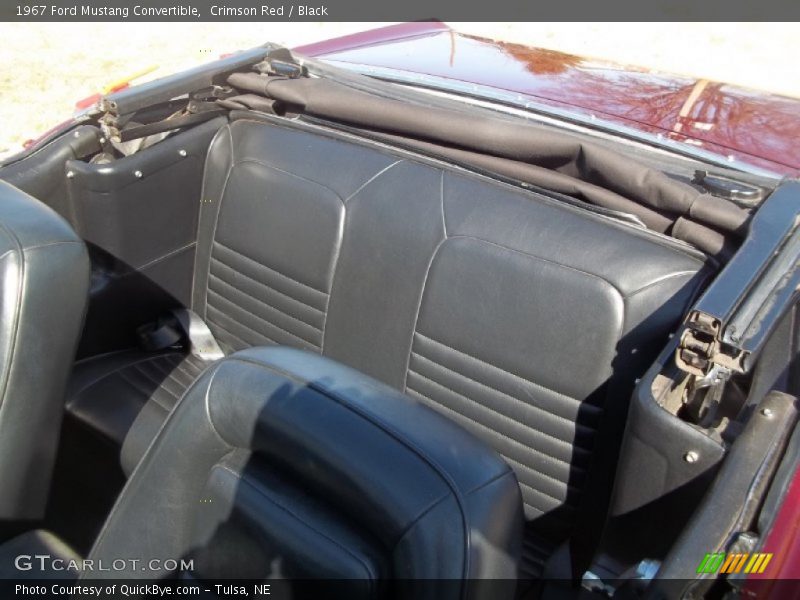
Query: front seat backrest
x=281 y=463
x=44 y=282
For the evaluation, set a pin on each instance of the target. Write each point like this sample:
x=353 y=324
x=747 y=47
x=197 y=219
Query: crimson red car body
x=753 y=127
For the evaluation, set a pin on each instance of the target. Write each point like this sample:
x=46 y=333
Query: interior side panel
x=138 y=215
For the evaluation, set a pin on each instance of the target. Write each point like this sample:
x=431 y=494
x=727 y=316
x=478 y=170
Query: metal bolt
x=70 y=174
x=102 y=140
x=182 y=152
x=137 y=174
x=77 y=134
x=691 y=457
x=767 y=412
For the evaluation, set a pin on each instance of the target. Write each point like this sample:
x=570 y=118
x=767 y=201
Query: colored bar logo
x=720 y=562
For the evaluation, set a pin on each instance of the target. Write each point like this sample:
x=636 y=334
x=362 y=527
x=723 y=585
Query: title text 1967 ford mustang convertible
x=407 y=314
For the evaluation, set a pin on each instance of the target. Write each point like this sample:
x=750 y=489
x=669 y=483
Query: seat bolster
x=44 y=279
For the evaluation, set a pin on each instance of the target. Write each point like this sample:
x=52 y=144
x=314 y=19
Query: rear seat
x=524 y=319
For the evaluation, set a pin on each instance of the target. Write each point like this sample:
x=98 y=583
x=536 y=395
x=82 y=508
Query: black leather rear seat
x=524 y=319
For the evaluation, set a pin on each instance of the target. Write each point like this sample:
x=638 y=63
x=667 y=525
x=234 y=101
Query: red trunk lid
x=755 y=127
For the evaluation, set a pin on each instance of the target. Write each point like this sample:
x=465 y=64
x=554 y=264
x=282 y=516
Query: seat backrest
x=279 y=461
x=524 y=319
x=44 y=283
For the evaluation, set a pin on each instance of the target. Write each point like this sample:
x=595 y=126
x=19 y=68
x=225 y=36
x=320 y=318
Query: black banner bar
x=324 y=589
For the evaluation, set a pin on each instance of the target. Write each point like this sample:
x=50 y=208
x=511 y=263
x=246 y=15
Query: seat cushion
x=108 y=393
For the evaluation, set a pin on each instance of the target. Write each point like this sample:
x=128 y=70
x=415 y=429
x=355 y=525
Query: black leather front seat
x=44 y=281
x=281 y=463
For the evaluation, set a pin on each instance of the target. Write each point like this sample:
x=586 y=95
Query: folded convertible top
x=555 y=161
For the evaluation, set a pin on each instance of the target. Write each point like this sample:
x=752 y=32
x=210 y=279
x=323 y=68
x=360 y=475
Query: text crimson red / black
x=264 y=10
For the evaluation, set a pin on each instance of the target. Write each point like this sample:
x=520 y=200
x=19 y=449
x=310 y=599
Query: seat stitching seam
x=148 y=397
x=228 y=333
x=195 y=266
x=419 y=307
x=263 y=266
x=172 y=377
x=242 y=325
x=373 y=178
x=216 y=216
x=340 y=245
x=115 y=372
x=441 y=197
x=491 y=481
x=151 y=379
x=536 y=548
x=262 y=284
x=333 y=280
x=545 y=411
x=231 y=335
x=415 y=521
x=502 y=416
x=558 y=394
x=267 y=304
x=136 y=388
x=245 y=161
x=494 y=431
x=263 y=320
x=561 y=501
x=507 y=458
x=184 y=367
x=543 y=259
x=165 y=371
x=659 y=281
